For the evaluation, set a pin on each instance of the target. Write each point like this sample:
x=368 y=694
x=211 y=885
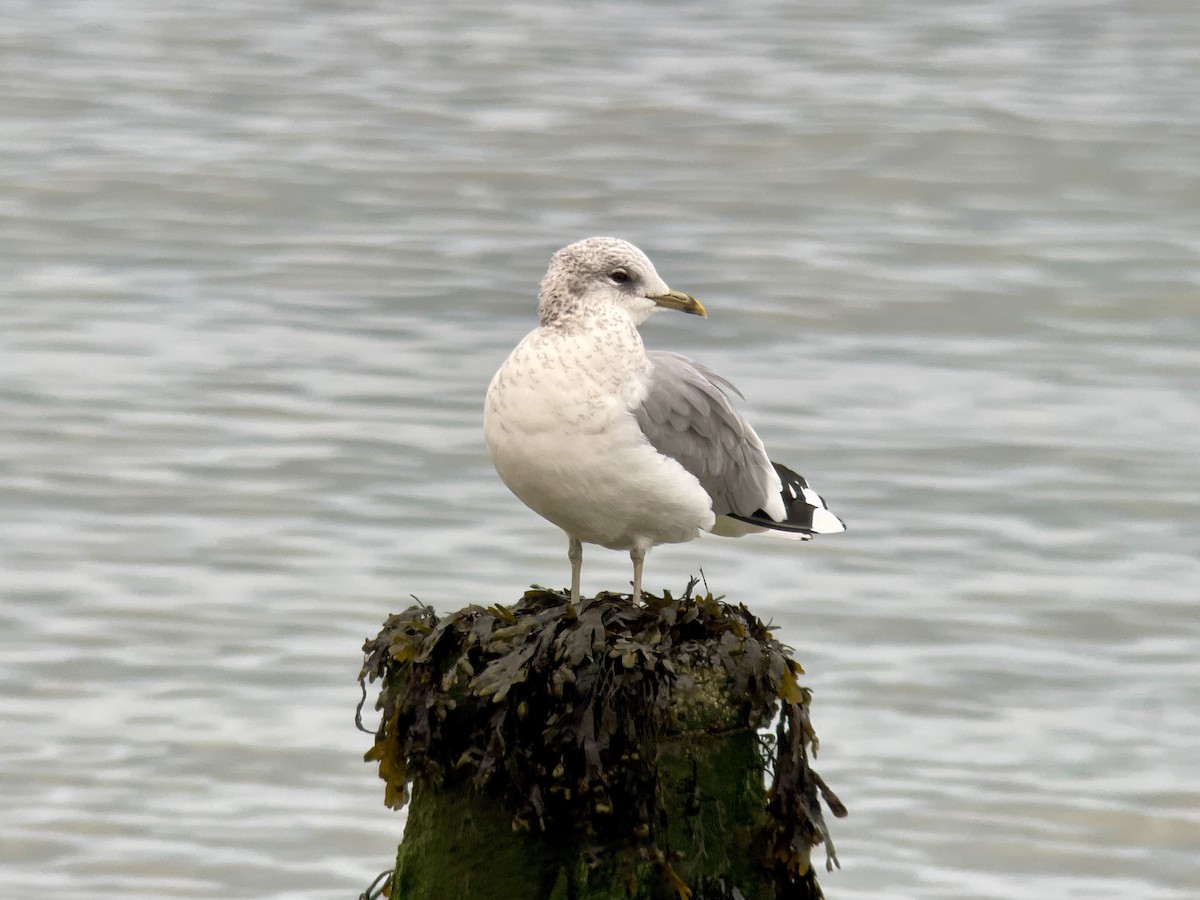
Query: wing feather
x=687 y=416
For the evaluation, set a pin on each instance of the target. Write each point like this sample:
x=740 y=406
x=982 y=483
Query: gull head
x=605 y=271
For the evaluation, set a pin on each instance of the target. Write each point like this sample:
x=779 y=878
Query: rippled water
x=260 y=259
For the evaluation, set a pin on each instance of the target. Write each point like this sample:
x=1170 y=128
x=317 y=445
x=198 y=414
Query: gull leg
x=638 y=555
x=575 y=555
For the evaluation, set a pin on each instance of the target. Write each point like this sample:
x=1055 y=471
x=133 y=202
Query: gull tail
x=806 y=511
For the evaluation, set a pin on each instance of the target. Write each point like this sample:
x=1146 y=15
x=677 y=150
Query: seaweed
x=558 y=708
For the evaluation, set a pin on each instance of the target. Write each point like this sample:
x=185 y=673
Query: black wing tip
x=798 y=501
x=762 y=520
x=793 y=524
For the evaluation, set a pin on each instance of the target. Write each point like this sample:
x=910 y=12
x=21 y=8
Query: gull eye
x=619 y=276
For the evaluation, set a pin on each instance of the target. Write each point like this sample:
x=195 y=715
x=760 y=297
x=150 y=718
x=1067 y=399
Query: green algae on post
x=614 y=742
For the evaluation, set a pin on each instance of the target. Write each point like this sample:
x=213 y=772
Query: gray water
x=259 y=260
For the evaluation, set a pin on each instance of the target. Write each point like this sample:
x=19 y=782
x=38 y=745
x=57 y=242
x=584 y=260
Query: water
x=260 y=260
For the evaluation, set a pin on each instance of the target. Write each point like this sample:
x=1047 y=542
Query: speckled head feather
x=598 y=271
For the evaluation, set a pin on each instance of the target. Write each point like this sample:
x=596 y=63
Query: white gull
x=624 y=447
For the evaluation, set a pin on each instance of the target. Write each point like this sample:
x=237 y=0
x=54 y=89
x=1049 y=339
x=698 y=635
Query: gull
x=624 y=447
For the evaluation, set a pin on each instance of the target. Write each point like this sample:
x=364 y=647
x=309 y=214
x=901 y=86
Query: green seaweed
x=561 y=719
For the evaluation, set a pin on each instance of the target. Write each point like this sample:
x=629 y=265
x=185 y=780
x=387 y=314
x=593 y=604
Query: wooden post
x=599 y=751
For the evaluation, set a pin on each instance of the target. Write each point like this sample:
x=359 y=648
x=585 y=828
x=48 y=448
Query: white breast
x=560 y=430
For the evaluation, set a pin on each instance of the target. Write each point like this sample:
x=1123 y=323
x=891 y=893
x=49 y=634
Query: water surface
x=260 y=260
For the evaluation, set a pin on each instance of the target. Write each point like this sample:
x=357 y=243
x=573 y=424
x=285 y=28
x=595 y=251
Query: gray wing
x=687 y=416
